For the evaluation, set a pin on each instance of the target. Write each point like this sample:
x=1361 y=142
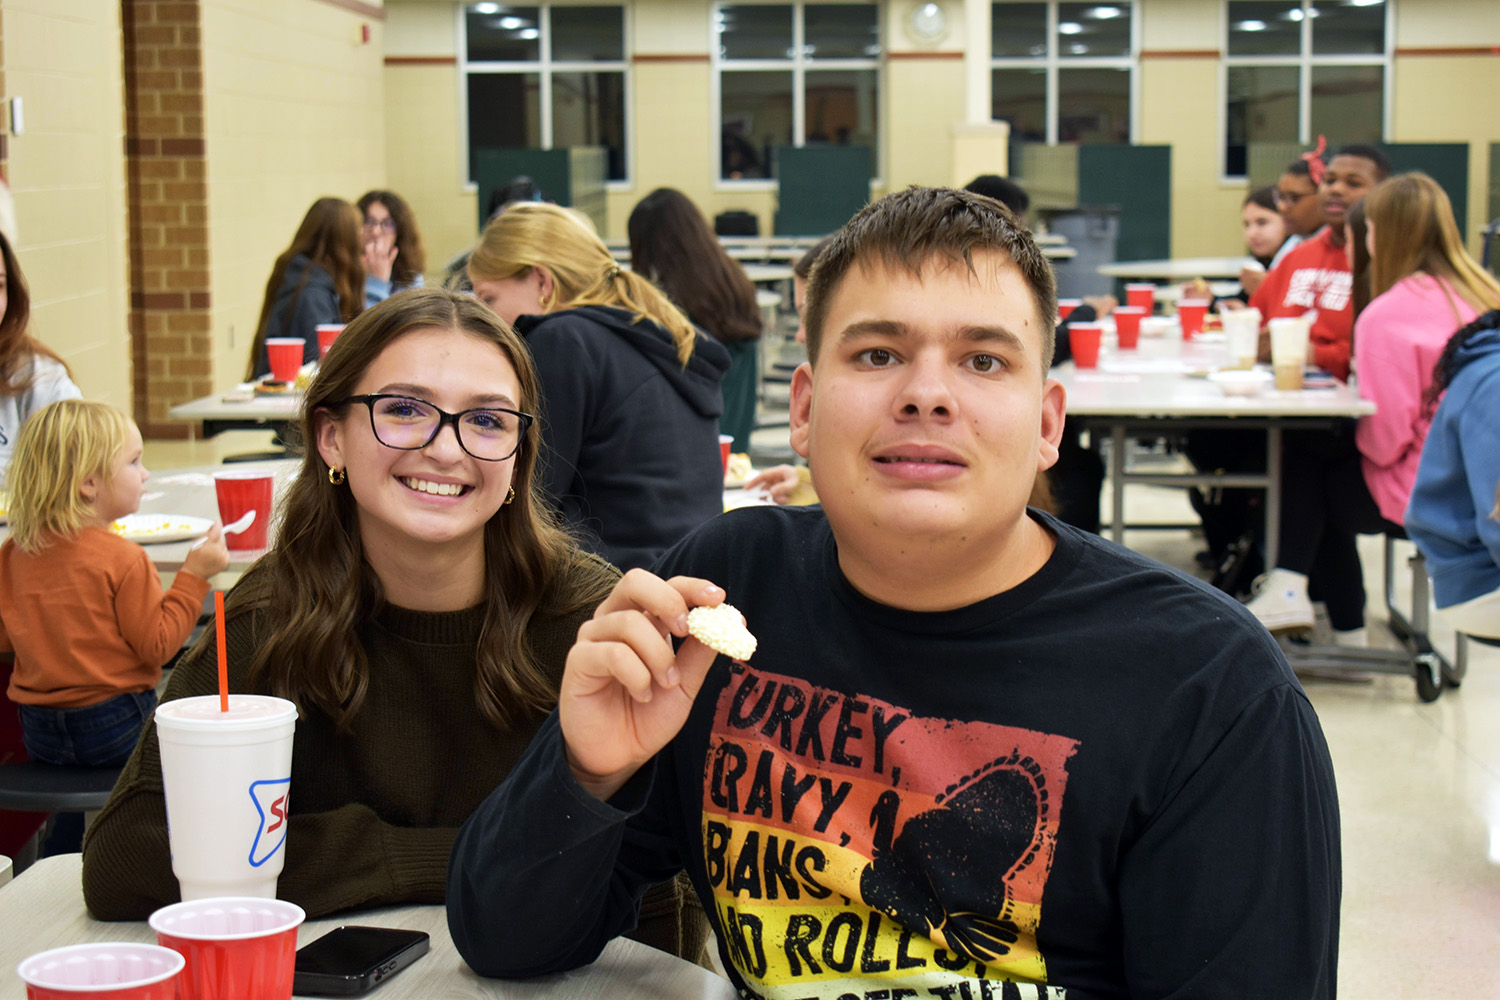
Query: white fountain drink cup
x=1289 y=336
x=1241 y=337
x=227 y=776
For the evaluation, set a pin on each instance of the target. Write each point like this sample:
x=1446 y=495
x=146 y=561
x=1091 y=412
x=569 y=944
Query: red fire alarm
x=364 y=34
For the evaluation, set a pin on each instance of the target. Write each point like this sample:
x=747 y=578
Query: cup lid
x=246 y=711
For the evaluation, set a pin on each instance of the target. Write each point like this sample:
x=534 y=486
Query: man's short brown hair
x=909 y=228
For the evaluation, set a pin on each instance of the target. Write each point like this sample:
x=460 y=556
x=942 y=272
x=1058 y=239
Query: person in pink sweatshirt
x=1423 y=286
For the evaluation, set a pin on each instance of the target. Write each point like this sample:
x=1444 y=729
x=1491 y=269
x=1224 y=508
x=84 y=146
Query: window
x=1297 y=69
x=1064 y=72
x=545 y=76
x=794 y=74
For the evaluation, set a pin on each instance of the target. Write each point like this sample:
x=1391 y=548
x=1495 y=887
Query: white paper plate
x=147 y=528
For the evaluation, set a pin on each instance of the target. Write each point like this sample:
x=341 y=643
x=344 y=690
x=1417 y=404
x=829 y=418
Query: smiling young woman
x=417 y=604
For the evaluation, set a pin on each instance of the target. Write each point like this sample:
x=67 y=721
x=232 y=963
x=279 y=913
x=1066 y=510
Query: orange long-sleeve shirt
x=87 y=619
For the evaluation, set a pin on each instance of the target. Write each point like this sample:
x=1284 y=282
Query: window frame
x=1054 y=61
x=1304 y=62
x=798 y=66
x=544 y=67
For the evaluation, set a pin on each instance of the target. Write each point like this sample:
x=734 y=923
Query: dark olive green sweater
x=374 y=811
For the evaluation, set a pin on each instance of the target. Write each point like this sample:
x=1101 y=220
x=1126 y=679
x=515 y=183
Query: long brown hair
x=17 y=347
x=329 y=238
x=1355 y=228
x=671 y=244
x=534 y=234
x=317 y=590
x=411 y=259
x=1415 y=231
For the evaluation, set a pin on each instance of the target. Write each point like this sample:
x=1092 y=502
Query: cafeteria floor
x=1419 y=786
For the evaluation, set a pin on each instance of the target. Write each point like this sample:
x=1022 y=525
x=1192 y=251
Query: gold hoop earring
x=509 y=496
x=336 y=476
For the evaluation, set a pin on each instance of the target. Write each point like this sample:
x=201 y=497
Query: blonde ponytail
x=540 y=235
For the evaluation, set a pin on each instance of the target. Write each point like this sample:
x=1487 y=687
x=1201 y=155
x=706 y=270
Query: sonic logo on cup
x=270 y=798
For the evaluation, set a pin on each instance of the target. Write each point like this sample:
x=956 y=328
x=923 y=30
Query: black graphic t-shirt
x=1103 y=782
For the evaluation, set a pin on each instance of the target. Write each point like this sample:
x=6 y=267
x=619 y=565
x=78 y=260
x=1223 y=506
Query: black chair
x=1419 y=659
x=33 y=787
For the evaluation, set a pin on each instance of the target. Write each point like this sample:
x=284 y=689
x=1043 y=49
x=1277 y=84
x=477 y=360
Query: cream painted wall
x=68 y=176
x=294 y=110
x=1451 y=98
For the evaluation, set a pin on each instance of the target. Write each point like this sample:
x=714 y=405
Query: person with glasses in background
x=393 y=254
x=417 y=602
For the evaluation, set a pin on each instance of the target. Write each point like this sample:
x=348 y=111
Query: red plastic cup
x=1141 y=294
x=1065 y=307
x=1128 y=325
x=235 y=947
x=239 y=492
x=1190 y=313
x=103 y=971
x=725 y=441
x=327 y=334
x=285 y=355
x=1083 y=339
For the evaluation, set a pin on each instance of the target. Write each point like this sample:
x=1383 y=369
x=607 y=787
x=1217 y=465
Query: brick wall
x=170 y=319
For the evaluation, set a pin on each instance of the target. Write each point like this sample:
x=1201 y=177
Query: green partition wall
x=1137 y=181
x=820 y=187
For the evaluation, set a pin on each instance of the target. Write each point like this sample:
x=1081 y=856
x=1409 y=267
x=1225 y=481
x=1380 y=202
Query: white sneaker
x=1354 y=638
x=1280 y=601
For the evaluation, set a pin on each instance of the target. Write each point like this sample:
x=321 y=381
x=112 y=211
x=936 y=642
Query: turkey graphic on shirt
x=850 y=845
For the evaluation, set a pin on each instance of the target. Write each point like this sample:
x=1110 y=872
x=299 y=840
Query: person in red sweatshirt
x=1314 y=278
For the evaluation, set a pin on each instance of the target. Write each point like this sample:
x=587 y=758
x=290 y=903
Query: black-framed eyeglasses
x=1292 y=197
x=388 y=223
x=406 y=423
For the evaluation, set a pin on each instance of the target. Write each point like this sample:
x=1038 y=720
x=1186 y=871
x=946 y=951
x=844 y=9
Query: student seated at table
x=1314 y=278
x=1453 y=515
x=975 y=747
x=630 y=387
x=81 y=608
x=417 y=603
x=1297 y=201
x=1070 y=489
x=1423 y=285
x=31 y=374
x=673 y=247
x=320 y=278
x=393 y=257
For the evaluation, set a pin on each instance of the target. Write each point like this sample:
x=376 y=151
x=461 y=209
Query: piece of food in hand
x=739 y=468
x=722 y=629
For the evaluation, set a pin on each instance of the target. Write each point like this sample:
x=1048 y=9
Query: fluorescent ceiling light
x=486 y=8
x=528 y=34
x=1251 y=26
x=511 y=23
x=1104 y=13
x=1070 y=28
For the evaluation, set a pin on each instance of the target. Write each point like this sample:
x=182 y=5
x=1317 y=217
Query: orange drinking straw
x=223 y=656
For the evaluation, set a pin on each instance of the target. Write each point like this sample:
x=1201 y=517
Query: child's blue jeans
x=101 y=735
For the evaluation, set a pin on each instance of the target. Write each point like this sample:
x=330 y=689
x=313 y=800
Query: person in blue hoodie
x=1454 y=511
x=631 y=390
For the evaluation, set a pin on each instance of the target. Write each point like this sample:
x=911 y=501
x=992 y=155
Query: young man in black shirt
x=978 y=753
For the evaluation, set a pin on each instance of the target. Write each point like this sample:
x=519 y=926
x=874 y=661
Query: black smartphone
x=352 y=961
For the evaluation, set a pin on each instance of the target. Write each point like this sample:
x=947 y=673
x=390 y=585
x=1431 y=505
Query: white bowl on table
x=1242 y=381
